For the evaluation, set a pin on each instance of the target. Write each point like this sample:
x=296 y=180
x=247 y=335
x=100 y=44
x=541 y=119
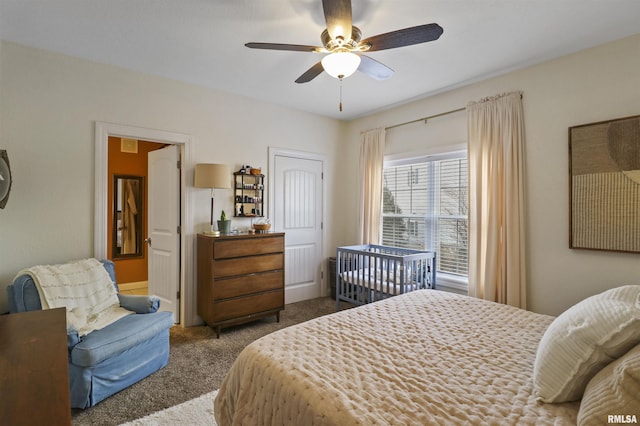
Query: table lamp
x=212 y=176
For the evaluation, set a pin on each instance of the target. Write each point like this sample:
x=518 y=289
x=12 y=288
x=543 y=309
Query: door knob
x=148 y=241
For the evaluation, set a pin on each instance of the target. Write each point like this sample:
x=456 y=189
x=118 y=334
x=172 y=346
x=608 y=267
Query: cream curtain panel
x=370 y=189
x=496 y=199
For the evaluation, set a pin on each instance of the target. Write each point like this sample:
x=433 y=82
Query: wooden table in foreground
x=34 y=371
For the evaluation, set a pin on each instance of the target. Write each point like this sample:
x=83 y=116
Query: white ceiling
x=202 y=42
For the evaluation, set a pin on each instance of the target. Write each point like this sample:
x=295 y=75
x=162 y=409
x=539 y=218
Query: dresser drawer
x=246 y=306
x=248 y=247
x=248 y=284
x=242 y=266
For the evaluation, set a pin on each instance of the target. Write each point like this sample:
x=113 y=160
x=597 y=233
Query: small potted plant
x=224 y=224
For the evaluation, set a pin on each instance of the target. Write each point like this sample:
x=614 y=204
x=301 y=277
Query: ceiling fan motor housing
x=339 y=43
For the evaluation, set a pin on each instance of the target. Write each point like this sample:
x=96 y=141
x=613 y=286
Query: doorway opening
x=128 y=211
x=185 y=299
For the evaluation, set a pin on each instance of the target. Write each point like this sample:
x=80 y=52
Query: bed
x=368 y=273
x=423 y=358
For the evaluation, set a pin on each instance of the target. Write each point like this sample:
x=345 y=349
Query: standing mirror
x=128 y=214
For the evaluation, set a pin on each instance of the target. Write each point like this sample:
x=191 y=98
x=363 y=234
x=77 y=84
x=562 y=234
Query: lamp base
x=212 y=233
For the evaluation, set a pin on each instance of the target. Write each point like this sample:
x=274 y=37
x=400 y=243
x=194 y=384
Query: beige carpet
x=198 y=363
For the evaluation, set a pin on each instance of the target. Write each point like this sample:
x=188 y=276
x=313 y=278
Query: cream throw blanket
x=83 y=287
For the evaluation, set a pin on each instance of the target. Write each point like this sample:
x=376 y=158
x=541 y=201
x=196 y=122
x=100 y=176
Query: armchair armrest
x=72 y=338
x=23 y=295
x=139 y=304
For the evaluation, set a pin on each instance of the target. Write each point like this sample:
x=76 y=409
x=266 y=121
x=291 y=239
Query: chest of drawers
x=240 y=278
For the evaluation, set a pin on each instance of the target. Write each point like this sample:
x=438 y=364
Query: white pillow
x=614 y=390
x=584 y=339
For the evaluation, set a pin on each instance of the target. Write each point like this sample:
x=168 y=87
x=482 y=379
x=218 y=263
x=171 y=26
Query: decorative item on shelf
x=224 y=224
x=212 y=176
x=248 y=170
x=262 y=226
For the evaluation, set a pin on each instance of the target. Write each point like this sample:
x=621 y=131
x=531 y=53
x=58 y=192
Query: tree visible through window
x=425 y=207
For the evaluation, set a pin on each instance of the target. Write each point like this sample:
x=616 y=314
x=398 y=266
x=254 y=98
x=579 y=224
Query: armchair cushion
x=117 y=338
x=139 y=304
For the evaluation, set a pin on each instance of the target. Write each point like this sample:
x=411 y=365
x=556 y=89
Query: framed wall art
x=604 y=185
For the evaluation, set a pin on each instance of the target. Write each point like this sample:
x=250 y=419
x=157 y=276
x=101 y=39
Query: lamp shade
x=212 y=176
x=341 y=64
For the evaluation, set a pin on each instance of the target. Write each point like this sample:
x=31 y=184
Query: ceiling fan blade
x=311 y=73
x=404 y=37
x=282 y=46
x=337 y=13
x=374 y=69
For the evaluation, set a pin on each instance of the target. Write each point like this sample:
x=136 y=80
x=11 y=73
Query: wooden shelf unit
x=248 y=195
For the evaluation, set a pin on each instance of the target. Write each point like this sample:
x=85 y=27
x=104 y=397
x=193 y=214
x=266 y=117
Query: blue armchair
x=108 y=360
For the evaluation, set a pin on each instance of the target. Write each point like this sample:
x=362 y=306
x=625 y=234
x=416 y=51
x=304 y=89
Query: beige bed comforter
x=422 y=358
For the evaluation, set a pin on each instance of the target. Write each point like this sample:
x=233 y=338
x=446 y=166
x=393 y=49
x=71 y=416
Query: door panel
x=298 y=212
x=164 y=221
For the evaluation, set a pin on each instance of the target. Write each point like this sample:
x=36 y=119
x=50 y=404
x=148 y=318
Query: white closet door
x=297 y=212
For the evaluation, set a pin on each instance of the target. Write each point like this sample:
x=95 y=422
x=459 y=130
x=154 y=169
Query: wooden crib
x=367 y=273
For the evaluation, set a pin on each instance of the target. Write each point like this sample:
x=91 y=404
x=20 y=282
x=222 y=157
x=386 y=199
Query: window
x=425 y=205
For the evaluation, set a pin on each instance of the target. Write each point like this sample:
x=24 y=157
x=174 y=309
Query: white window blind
x=425 y=207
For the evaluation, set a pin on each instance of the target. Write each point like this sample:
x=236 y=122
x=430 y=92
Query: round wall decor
x=5 y=178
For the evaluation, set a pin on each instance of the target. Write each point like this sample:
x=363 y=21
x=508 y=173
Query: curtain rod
x=429 y=117
x=425 y=118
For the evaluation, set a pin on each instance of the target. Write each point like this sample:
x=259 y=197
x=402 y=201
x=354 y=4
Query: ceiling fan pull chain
x=341 y=95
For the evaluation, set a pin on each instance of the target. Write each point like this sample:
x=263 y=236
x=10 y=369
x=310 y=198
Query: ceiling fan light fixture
x=341 y=64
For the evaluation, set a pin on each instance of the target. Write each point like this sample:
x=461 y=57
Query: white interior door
x=297 y=211
x=164 y=222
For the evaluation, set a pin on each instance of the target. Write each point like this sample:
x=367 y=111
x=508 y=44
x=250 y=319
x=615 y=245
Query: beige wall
x=593 y=85
x=49 y=102
x=48 y=106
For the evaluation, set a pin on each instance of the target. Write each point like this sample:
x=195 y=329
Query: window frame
x=446 y=281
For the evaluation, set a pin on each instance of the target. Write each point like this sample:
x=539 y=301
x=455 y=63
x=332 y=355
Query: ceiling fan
x=342 y=41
